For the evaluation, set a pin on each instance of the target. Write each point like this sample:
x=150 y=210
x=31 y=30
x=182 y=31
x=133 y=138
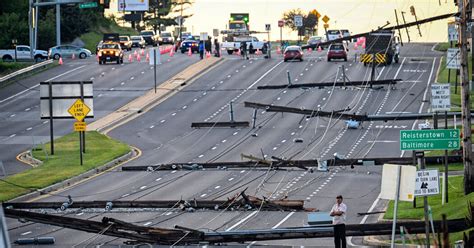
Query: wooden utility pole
x=465 y=102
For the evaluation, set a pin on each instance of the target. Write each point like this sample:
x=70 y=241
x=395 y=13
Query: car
x=150 y=37
x=352 y=124
x=138 y=41
x=185 y=35
x=67 y=51
x=193 y=44
x=110 y=51
x=99 y=45
x=314 y=41
x=334 y=34
x=22 y=53
x=125 y=42
x=337 y=51
x=166 y=38
x=292 y=53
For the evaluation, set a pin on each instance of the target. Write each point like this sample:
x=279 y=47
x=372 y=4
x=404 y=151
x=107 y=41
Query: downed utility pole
x=330 y=84
x=401 y=26
x=155 y=235
x=237 y=202
x=220 y=124
x=394 y=160
x=335 y=114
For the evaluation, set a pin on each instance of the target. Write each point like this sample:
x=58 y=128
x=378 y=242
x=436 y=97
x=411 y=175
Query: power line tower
x=465 y=101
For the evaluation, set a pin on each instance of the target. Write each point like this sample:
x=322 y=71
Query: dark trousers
x=201 y=54
x=340 y=236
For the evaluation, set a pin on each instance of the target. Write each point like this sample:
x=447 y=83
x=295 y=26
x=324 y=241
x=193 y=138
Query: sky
x=355 y=15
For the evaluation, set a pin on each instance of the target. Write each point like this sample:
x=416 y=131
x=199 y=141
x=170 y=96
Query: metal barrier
x=24 y=70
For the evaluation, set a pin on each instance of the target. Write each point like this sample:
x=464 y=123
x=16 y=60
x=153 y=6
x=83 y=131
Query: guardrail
x=24 y=70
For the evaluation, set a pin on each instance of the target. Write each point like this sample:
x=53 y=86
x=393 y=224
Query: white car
x=334 y=34
x=425 y=125
x=22 y=53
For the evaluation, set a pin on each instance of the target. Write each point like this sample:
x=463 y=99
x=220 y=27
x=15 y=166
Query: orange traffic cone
x=135 y=53
x=257 y=52
x=97 y=57
x=171 y=52
x=363 y=45
x=208 y=55
x=319 y=49
x=139 y=59
x=355 y=46
x=147 y=57
x=310 y=50
x=190 y=52
x=238 y=52
x=278 y=50
x=73 y=56
x=60 y=61
x=142 y=51
x=130 y=58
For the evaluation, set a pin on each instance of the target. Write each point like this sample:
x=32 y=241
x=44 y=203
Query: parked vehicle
x=314 y=41
x=67 y=51
x=125 y=43
x=293 y=53
x=337 y=51
x=334 y=34
x=166 y=38
x=22 y=53
x=189 y=43
x=234 y=46
x=138 y=41
x=150 y=37
x=110 y=51
x=99 y=45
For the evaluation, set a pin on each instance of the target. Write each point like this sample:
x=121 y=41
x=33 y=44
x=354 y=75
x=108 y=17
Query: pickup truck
x=22 y=53
x=233 y=46
x=150 y=37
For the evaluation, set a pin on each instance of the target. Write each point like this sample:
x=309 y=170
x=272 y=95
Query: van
x=334 y=34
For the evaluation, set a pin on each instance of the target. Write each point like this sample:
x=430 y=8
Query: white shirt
x=342 y=218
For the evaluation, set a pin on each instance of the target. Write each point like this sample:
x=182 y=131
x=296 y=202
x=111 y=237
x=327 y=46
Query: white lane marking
x=125 y=195
x=79 y=214
x=28 y=129
x=148 y=223
x=242 y=171
x=200 y=156
x=223 y=141
x=230 y=179
x=27 y=109
x=213 y=148
x=122 y=83
x=162 y=121
x=173 y=172
x=12 y=115
x=173 y=114
x=143 y=187
x=158 y=179
x=26 y=233
x=34 y=86
x=235 y=133
x=283 y=220
x=241 y=221
x=184 y=107
x=152 y=126
x=44 y=122
x=349 y=241
x=203 y=195
x=169 y=213
x=217 y=187
x=131 y=78
x=13 y=135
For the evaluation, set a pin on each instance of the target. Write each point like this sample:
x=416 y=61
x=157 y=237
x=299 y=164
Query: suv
x=166 y=38
x=125 y=43
x=110 y=51
x=150 y=37
x=337 y=51
x=314 y=41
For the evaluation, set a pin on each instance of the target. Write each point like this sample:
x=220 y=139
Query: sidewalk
x=150 y=99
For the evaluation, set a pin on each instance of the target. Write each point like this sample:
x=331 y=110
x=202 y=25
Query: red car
x=293 y=52
x=337 y=51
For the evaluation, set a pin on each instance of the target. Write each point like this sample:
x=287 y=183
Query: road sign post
x=440 y=97
x=298 y=23
x=79 y=111
x=281 y=23
x=453 y=58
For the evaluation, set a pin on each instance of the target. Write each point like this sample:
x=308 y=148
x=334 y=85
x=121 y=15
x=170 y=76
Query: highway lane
x=219 y=176
x=114 y=86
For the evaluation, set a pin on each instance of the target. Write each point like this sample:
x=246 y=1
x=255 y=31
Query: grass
x=443 y=47
x=92 y=38
x=455 y=208
x=64 y=164
x=27 y=74
x=9 y=67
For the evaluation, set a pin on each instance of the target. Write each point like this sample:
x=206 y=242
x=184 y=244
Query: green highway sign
x=88 y=5
x=433 y=139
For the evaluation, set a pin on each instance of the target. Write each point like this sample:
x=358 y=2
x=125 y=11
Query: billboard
x=133 y=5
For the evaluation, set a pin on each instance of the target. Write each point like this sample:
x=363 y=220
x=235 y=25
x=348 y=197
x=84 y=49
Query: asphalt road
x=164 y=135
x=114 y=85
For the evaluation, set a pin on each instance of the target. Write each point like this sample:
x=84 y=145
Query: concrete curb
x=76 y=179
x=27 y=158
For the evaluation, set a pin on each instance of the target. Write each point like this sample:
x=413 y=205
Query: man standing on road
x=338 y=213
x=217 y=47
x=201 y=49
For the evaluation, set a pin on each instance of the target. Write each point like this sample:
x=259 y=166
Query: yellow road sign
x=80 y=126
x=316 y=13
x=325 y=19
x=79 y=110
x=326 y=25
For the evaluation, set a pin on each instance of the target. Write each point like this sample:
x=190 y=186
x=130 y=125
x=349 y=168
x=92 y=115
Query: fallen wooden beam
x=220 y=124
x=329 y=84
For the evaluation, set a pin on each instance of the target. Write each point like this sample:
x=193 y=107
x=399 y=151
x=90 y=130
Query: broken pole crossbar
x=221 y=124
x=330 y=84
x=394 y=160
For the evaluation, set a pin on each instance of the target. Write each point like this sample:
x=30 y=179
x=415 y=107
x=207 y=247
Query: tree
x=156 y=16
x=310 y=23
x=289 y=18
x=12 y=26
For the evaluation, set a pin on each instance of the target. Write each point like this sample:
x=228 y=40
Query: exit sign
x=88 y=5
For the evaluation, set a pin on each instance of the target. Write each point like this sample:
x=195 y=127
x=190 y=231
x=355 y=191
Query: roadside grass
x=9 y=67
x=443 y=46
x=64 y=164
x=91 y=39
x=457 y=207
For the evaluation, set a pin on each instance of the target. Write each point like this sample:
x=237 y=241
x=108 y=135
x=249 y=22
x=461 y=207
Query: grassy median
x=64 y=164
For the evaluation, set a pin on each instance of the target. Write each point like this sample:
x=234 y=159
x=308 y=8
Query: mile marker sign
x=427 y=183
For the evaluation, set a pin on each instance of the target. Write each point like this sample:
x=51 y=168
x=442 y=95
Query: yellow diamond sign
x=325 y=19
x=79 y=110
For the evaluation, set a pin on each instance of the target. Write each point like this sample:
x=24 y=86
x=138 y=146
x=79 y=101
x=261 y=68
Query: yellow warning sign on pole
x=326 y=25
x=80 y=126
x=79 y=110
x=325 y=19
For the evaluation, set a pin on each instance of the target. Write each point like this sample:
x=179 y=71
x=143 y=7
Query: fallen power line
x=330 y=84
